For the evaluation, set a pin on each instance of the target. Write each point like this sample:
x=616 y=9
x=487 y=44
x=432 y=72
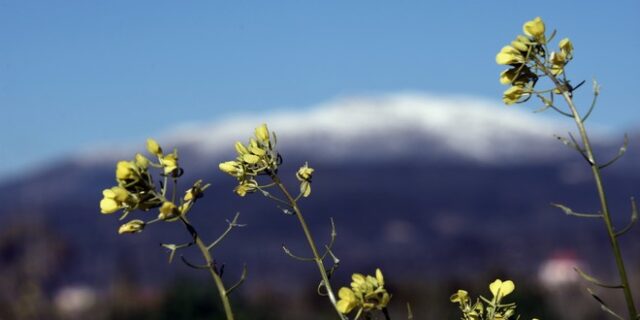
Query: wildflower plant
x=488 y=309
x=530 y=60
x=256 y=170
x=136 y=191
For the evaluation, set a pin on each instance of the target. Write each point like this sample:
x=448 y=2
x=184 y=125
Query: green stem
x=605 y=208
x=208 y=258
x=214 y=274
x=613 y=240
x=314 y=249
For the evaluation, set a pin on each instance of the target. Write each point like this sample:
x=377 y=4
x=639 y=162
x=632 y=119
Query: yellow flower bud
x=262 y=133
x=169 y=162
x=461 y=296
x=250 y=158
x=113 y=199
x=521 y=43
x=169 y=211
x=557 y=60
x=233 y=168
x=379 y=277
x=153 y=147
x=509 y=55
x=141 y=161
x=513 y=94
x=125 y=170
x=534 y=28
x=566 y=47
x=240 y=148
x=305 y=188
x=195 y=192
x=245 y=187
x=258 y=151
x=108 y=206
x=132 y=226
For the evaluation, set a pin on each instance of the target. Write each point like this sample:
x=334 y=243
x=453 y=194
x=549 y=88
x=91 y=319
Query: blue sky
x=77 y=73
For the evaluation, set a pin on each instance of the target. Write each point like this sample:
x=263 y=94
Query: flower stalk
x=530 y=60
x=606 y=215
x=312 y=245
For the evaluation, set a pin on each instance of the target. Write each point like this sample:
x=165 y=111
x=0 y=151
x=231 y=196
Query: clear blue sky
x=73 y=73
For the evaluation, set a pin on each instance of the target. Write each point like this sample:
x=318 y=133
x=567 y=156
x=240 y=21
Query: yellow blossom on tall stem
x=153 y=147
x=535 y=28
x=509 y=55
x=133 y=226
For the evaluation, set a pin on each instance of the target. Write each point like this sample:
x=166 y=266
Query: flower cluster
x=528 y=60
x=135 y=189
x=491 y=309
x=367 y=293
x=255 y=158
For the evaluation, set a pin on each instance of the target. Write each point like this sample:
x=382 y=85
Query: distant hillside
x=416 y=185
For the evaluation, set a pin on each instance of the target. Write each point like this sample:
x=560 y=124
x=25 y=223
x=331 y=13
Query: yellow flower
x=125 y=170
x=113 y=199
x=195 y=192
x=132 y=226
x=305 y=173
x=141 y=161
x=347 y=301
x=534 y=28
x=169 y=211
x=461 y=297
x=566 y=47
x=501 y=289
x=521 y=43
x=509 y=55
x=233 y=168
x=262 y=133
x=513 y=94
x=240 y=148
x=520 y=75
x=153 y=147
x=250 y=158
x=169 y=162
x=557 y=60
x=246 y=186
x=366 y=293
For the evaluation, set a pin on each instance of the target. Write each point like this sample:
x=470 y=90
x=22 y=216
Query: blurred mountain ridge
x=416 y=185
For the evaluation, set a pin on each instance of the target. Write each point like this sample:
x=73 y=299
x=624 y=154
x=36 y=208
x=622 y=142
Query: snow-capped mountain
x=430 y=185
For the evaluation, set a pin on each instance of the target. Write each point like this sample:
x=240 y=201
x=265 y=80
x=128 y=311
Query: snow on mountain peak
x=465 y=127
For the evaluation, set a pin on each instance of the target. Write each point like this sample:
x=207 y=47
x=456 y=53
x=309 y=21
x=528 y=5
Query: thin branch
x=288 y=252
x=174 y=247
x=634 y=218
x=195 y=266
x=596 y=93
x=333 y=239
x=596 y=281
x=243 y=276
x=232 y=224
x=570 y=212
x=272 y=197
x=621 y=152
